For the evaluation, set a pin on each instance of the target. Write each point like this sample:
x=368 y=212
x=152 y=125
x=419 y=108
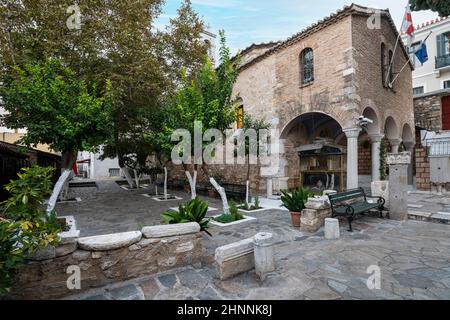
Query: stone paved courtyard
x=413 y=256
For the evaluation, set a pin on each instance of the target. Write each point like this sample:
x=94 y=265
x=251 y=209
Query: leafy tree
x=257 y=125
x=207 y=99
x=117 y=40
x=58 y=110
x=440 y=6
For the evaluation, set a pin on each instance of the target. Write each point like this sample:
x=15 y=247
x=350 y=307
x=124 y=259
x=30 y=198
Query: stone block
x=66 y=249
x=170 y=230
x=235 y=258
x=264 y=257
x=110 y=241
x=313 y=220
x=44 y=254
x=318 y=203
x=332 y=229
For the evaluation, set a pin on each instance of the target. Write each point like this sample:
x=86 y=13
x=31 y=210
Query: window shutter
x=440 y=45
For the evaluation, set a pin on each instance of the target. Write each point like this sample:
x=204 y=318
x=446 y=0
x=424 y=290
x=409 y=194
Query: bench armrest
x=350 y=210
x=381 y=201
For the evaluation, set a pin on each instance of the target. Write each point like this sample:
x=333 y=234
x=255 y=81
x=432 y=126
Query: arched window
x=391 y=63
x=240 y=117
x=383 y=63
x=307 y=66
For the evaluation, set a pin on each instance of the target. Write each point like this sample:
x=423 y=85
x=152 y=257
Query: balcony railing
x=443 y=61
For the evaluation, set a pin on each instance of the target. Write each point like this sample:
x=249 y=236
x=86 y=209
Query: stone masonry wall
x=107 y=259
x=428 y=114
x=364 y=156
x=235 y=174
x=396 y=103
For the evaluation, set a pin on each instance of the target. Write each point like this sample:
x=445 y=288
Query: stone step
x=440 y=217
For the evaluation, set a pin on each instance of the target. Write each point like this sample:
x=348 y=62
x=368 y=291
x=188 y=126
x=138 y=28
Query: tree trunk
x=165 y=183
x=223 y=195
x=247 y=193
x=192 y=183
x=136 y=178
x=68 y=159
x=126 y=173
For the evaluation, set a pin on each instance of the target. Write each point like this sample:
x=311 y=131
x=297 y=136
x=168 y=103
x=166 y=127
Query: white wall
x=426 y=75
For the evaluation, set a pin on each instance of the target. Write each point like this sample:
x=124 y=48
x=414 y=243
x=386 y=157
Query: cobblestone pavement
x=413 y=256
x=110 y=209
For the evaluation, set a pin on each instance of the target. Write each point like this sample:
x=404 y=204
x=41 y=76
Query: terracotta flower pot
x=296 y=219
x=211 y=193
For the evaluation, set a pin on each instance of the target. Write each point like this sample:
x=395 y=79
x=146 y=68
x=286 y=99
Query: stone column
x=398 y=185
x=269 y=188
x=410 y=148
x=352 y=157
x=395 y=144
x=264 y=256
x=376 y=143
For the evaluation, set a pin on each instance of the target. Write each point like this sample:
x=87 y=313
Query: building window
x=307 y=66
x=447 y=84
x=240 y=117
x=443 y=50
x=383 y=63
x=391 y=67
x=418 y=90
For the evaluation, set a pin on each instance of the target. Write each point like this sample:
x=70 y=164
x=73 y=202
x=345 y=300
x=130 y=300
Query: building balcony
x=443 y=61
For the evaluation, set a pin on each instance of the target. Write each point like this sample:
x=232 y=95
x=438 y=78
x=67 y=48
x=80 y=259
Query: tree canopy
x=56 y=107
x=440 y=6
x=116 y=40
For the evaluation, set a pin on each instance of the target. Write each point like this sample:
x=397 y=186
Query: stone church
x=315 y=86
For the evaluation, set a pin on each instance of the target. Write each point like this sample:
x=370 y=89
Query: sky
x=256 y=21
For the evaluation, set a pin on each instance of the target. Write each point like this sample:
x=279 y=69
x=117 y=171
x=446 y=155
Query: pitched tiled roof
x=333 y=18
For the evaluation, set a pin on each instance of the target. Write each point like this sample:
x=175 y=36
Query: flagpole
x=395 y=49
x=409 y=59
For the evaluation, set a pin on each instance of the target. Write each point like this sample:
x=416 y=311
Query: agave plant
x=295 y=202
x=194 y=211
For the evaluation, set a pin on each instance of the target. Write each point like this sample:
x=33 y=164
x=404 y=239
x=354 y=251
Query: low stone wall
x=106 y=259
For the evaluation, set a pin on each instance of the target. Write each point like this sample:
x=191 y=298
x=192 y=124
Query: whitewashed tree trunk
x=192 y=183
x=223 y=195
x=165 y=183
x=65 y=189
x=127 y=175
x=57 y=190
x=247 y=193
x=136 y=178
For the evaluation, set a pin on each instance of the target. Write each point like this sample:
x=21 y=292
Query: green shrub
x=25 y=227
x=232 y=217
x=295 y=202
x=257 y=203
x=194 y=211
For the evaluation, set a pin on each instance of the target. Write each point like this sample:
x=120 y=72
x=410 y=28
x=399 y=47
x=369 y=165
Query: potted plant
x=211 y=192
x=295 y=203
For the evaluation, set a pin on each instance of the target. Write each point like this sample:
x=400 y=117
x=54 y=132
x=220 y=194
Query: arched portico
x=392 y=133
x=374 y=131
x=319 y=133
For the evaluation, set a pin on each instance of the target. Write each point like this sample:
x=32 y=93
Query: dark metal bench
x=235 y=192
x=353 y=202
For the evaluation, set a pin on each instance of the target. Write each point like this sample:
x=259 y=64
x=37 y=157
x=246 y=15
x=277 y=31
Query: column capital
x=352 y=132
x=376 y=137
x=395 y=142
